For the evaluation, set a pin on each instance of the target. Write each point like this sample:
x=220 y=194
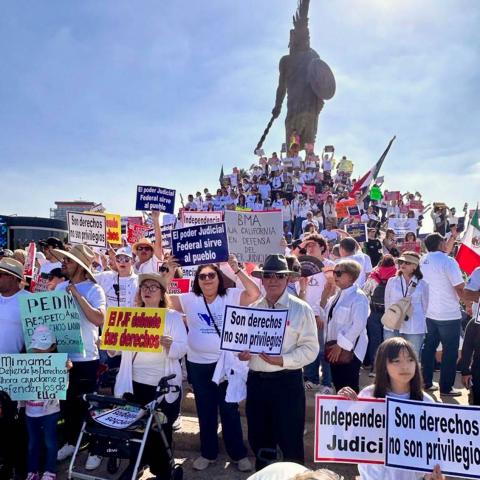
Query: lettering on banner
x=191 y=218
x=253 y=329
x=38 y=376
x=349 y=431
x=133 y=329
x=155 y=198
x=87 y=228
x=420 y=435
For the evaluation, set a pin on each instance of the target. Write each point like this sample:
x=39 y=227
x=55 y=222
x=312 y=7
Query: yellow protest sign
x=114 y=227
x=133 y=329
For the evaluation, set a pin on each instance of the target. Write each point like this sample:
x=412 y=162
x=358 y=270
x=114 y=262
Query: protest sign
x=135 y=232
x=349 y=431
x=36 y=376
x=416 y=205
x=353 y=211
x=114 y=228
x=59 y=312
x=189 y=272
x=411 y=247
x=39 y=283
x=29 y=266
x=358 y=231
x=167 y=235
x=155 y=198
x=119 y=418
x=257 y=330
x=179 y=285
x=201 y=244
x=134 y=329
x=308 y=190
x=404 y=209
x=87 y=228
x=252 y=236
x=341 y=207
x=389 y=196
x=401 y=226
x=200 y=218
x=420 y=435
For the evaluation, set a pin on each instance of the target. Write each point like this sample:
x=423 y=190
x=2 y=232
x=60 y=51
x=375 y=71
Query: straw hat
x=142 y=241
x=81 y=254
x=155 y=277
x=12 y=267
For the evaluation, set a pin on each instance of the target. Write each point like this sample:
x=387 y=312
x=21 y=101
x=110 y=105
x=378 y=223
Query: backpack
x=378 y=295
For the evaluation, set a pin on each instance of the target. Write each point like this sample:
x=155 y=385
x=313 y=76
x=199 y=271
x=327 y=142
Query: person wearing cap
x=149 y=255
x=11 y=277
x=444 y=318
x=140 y=372
x=120 y=285
x=42 y=417
x=90 y=300
x=55 y=277
x=275 y=404
x=409 y=282
x=52 y=262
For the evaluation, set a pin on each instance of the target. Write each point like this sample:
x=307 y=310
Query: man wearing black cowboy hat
x=275 y=394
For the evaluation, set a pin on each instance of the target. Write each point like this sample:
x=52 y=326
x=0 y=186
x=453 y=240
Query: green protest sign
x=58 y=311
x=34 y=376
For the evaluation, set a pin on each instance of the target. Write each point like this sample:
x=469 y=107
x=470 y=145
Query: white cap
x=127 y=251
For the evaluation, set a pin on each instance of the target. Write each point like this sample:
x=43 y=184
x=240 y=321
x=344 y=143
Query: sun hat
x=406 y=257
x=12 y=267
x=156 y=277
x=275 y=264
x=42 y=338
x=142 y=241
x=81 y=254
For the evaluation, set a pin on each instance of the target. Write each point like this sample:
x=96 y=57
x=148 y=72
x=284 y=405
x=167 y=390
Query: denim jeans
x=310 y=371
x=416 y=339
x=210 y=399
x=448 y=333
x=42 y=431
x=375 y=334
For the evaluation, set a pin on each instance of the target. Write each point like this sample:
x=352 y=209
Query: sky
x=99 y=97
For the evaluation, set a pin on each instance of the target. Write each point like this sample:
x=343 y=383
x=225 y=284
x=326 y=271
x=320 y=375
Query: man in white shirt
x=275 y=403
x=90 y=300
x=445 y=283
x=348 y=250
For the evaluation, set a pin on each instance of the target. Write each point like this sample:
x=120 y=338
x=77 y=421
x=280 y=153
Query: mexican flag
x=468 y=256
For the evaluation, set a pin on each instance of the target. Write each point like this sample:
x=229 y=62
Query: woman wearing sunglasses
x=204 y=308
x=345 y=313
x=140 y=372
x=408 y=282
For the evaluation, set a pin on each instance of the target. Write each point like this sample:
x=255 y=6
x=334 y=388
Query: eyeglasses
x=280 y=276
x=163 y=269
x=338 y=273
x=144 y=249
x=150 y=288
x=123 y=259
x=204 y=276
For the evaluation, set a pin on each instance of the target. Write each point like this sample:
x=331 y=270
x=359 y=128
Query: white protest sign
x=87 y=228
x=258 y=330
x=421 y=434
x=190 y=218
x=349 y=431
x=119 y=418
x=401 y=226
x=252 y=236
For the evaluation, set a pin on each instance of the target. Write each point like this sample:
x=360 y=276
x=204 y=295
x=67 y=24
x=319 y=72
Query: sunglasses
x=149 y=288
x=123 y=259
x=204 y=276
x=403 y=262
x=338 y=273
x=144 y=249
x=280 y=276
x=163 y=269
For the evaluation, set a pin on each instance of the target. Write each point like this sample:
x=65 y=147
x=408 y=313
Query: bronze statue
x=306 y=79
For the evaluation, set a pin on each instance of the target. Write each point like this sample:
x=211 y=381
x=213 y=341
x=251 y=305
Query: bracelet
x=237 y=272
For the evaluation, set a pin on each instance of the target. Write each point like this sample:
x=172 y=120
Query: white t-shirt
x=11 y=338
x=442 y=274
x=316 y=284
x=47 y=267
x=126 y=292
x=380 y=472
x=203 y=339
x=95 y=296
x=473 y=284
x=150 y=266
x=329 y=235
x=41 y=408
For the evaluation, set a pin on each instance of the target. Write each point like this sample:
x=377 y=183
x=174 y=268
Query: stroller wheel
x=177 y=473
x=113 y=465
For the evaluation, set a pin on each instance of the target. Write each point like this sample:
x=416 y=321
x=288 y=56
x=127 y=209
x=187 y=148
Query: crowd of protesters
x=335 y=317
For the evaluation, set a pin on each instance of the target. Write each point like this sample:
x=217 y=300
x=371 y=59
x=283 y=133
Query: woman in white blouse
x=408 y=281
x=345 y=313
x=140 y=372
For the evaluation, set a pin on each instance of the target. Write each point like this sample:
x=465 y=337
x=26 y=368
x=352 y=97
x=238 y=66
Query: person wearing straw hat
x=150 y=255
x=11 y=276
x=90 y=300
x=275 y=404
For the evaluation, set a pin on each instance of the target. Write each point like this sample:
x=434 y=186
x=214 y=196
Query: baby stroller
x=118 y=430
